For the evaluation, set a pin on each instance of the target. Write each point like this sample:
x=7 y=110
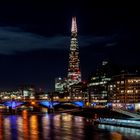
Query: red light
x=84 y=82
x=73 y=77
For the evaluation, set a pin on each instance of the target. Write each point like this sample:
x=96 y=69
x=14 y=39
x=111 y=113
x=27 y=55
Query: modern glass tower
x=74 y=73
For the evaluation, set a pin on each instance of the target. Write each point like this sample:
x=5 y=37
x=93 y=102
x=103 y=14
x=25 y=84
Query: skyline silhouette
x=35 y=40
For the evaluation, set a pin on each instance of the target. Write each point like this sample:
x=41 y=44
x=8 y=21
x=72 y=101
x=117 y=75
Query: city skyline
x=34 y=43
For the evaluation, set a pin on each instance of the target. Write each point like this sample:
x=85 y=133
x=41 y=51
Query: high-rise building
x=60 y=85
x=28 y=91
x=74 y=73
x=97 y=86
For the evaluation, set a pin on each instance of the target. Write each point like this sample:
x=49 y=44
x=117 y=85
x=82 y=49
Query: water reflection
x=1 y=127
x=34 y=127
x=7 y=128
x=25 y=124
x=59 y=127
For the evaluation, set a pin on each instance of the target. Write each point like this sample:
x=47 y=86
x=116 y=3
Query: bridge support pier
x=12 y=111
x=50 y=110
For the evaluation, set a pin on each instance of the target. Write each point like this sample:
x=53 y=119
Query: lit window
x=130 y=81
x=129 y=91
x=111 y=85
x=136 y=91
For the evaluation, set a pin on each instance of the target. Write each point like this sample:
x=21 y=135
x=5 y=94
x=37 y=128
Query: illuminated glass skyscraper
x=74 y=73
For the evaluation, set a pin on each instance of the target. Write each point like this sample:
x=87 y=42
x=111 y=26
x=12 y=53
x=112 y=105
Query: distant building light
x=68 y=97
x=32 y=97
x=104 y=63
x=57 y=97
x=33 y=103
x=93 y=78
x=79 y=97
x=5 y=97
x=118 y=82
x=19 y=97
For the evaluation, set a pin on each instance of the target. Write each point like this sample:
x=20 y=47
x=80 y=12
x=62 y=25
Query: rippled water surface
x=60 y=127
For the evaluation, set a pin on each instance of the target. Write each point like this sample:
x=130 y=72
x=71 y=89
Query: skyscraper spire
x=74 y=73
x=74 y=25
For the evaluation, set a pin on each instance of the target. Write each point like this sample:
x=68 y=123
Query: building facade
x=124 y=91
x=97 y=86
x=78 y=91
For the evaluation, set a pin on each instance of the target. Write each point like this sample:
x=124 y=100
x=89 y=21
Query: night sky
x=35 y=39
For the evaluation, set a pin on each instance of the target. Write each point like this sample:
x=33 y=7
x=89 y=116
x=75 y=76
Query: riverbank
x=99 y=113
x=107 y=117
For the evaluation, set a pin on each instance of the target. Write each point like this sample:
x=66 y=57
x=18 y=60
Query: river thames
x=60 y=127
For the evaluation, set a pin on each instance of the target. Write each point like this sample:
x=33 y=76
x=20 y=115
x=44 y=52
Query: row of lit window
x=134 y=81
x=129 y=81
x=111 y=86
x=97 y=83
x=120 y=82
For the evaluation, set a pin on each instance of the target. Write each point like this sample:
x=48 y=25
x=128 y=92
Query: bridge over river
x=15 y=104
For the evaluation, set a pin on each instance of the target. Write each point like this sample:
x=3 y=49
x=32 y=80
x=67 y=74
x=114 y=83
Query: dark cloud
x=13 y=39
x=16 y=40
x=92 y=40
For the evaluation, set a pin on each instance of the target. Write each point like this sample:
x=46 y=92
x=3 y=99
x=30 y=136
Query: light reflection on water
x=6 y=129
x=59 y=127
x=34 y=132
x=1 y=127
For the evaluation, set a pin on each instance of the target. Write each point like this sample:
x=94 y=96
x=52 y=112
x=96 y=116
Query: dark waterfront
x=59 y=127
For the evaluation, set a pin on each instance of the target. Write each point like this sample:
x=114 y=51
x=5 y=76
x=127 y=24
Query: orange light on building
x=33 y=103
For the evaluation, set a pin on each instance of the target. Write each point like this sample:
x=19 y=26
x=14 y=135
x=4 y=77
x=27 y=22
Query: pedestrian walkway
x=120 y=122
x=125 y=112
